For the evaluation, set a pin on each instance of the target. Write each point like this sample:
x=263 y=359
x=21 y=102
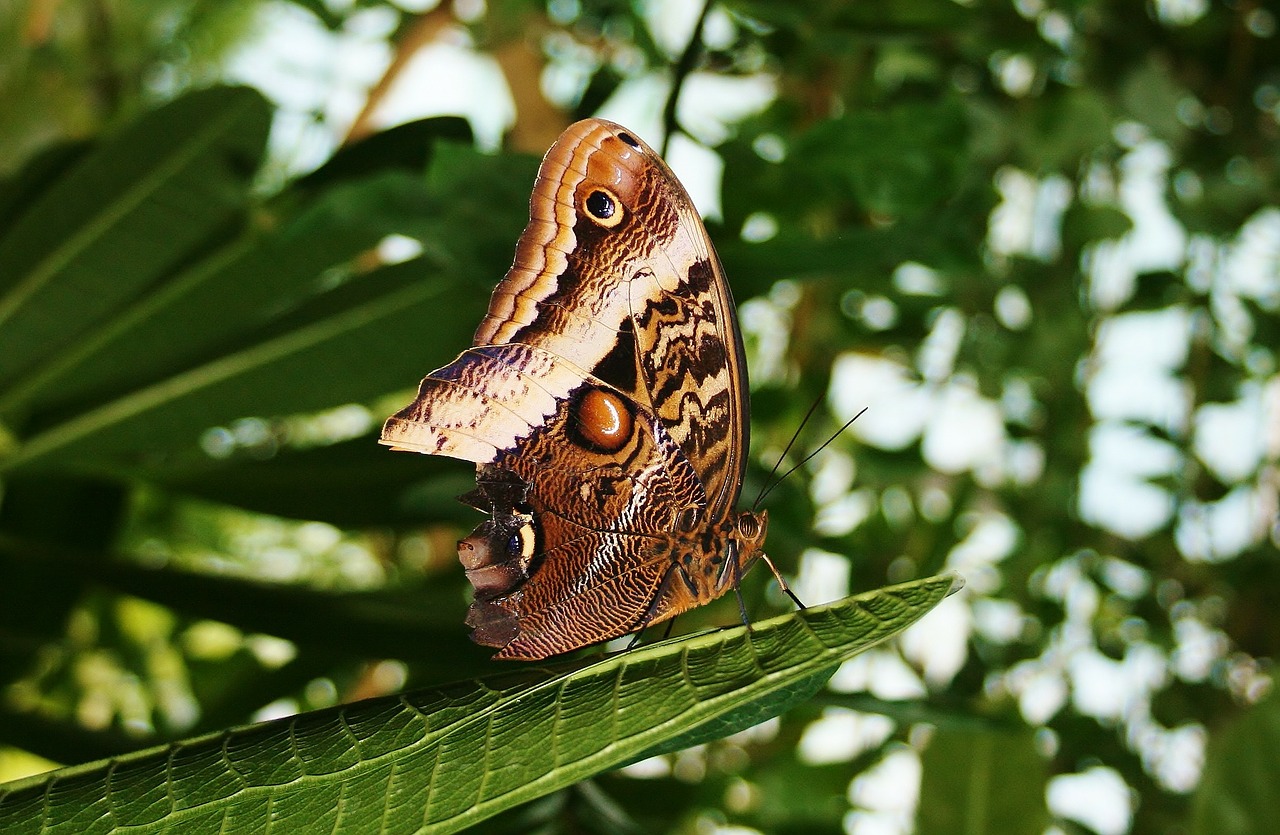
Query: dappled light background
x=1038 y=242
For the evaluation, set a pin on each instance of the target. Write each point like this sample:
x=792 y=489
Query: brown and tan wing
x=616 y=275
x=541 y=618
x=586 y=450
x=608 y=378
x=573 y=551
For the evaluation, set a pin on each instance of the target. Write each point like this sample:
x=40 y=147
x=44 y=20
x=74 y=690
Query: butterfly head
x=743 y=544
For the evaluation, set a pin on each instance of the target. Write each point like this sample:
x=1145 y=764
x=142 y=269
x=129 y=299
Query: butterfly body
x=605 y=406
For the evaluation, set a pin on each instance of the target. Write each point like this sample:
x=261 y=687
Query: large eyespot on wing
x=600 y=479
x=688 y=357
x=582 y=448
x=564 y=291
x=604 y=463
x=688 y=360
x=686 y=340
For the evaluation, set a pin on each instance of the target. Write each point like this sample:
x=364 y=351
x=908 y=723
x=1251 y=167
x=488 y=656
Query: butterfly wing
x=637 y=299
x=575 y=549
x=608 y=377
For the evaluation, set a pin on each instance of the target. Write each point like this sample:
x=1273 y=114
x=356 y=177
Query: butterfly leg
x=781 y=582
x=643 y=623
x=742 y=607
x=736 y=565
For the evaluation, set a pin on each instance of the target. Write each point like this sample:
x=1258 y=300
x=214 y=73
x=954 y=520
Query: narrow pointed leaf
x=173 y=181
x=355 y=484
x=213 y=302
x=439 y=760
x=376 y=317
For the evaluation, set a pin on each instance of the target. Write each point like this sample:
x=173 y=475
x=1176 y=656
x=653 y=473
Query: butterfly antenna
x=808 y=457
x=768 y=486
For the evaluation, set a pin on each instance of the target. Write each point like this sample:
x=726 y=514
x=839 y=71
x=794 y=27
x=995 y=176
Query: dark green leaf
x=215 y=303
x=1237 y=795
x=129 y=212
x=406 y=147
x=377 y=316
x=357 y=483
x=982 y=781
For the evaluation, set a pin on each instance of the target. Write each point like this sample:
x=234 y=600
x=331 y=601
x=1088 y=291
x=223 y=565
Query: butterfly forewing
x=576 y=283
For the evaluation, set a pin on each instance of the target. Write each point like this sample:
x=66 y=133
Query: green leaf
x=1152 y=95
x=903 y=160
x=879 y=17
x=244 y=326
x=909 y=712
x=747 y=715
x=978 y=781
x=442 y=759
x=174 y=181
x=406 y=147
x=420 y=625
x=484 y=202
x=1237 y=795
x=212 y=303
x=356 y=483
x=18 y=192
x=36 y=602
x=1083 y=224
x=376 y=316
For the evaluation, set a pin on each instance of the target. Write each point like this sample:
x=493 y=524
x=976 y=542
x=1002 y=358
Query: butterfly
x=604 y=403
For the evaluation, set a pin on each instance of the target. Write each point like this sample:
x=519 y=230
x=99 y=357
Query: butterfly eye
x=748 y=526
x=603 y=208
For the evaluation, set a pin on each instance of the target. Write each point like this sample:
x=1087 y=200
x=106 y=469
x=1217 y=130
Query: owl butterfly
x=604 y=404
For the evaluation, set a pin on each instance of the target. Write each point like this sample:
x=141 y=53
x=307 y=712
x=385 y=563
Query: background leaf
x=165 y=188
x=1002 y=790
x=1236 y=795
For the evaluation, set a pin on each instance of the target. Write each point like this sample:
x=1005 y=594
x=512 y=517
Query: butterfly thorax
x=705 y=560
